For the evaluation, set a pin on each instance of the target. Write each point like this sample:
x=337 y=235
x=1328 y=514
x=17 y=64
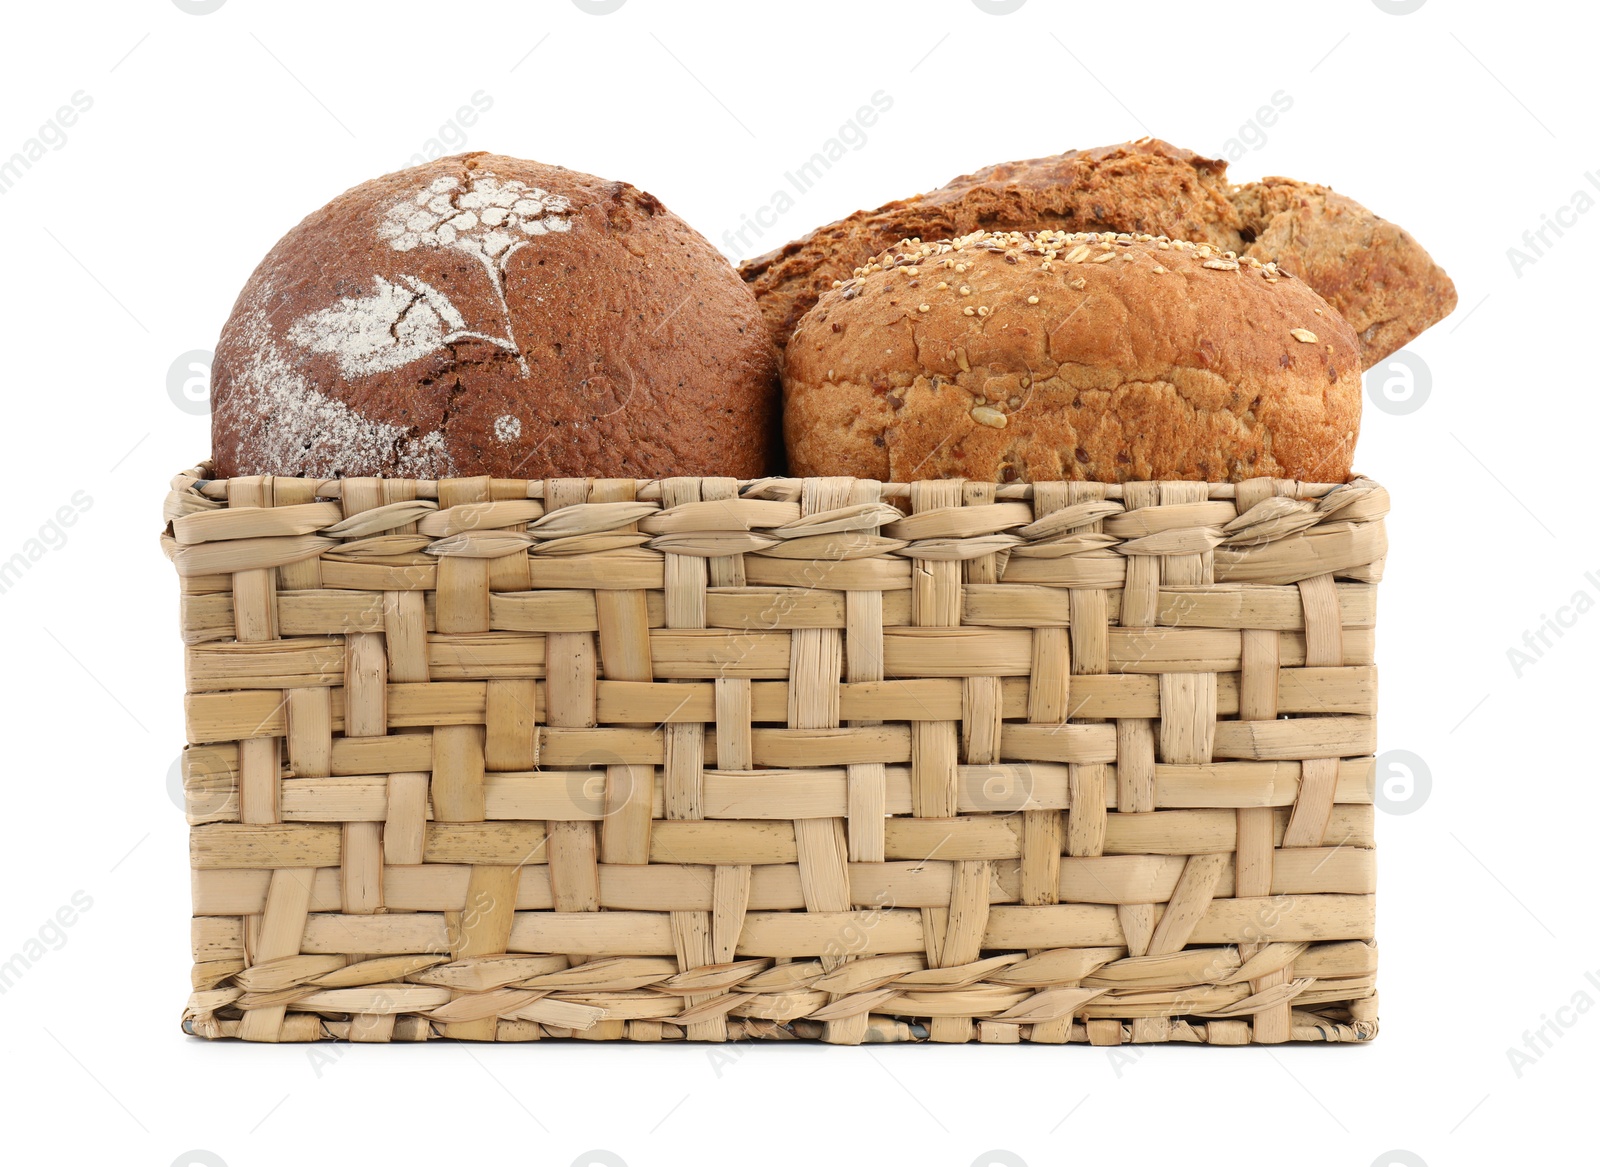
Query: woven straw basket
x=823 y=758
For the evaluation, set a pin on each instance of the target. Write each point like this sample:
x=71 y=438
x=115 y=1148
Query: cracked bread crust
x=485 y=315
x=1373 y=272
x=1146 y=186
x=1377 y=276
x=1105 y=358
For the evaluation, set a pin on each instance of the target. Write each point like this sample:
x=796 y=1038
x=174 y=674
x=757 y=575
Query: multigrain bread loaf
x=1375 y=274
x=1012 y=357
x=489 y=315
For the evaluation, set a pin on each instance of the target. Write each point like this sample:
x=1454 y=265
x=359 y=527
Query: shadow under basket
x=788 y=759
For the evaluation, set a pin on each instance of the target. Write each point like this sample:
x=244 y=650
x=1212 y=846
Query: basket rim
x=200 y=479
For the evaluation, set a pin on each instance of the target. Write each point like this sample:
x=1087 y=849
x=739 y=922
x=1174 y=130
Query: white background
x=210 y=135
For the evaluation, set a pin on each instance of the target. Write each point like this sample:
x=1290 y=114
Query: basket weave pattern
x=822 y=758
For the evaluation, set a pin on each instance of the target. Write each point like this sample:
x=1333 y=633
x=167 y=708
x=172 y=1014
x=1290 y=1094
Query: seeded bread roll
x=1099 y=357
x=1375 y=274
x=489 y=315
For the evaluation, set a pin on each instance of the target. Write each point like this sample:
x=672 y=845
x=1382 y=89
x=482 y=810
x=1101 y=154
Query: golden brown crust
x=1377 y=276
x=1148 y=186
x=1373 y=272
x=491 y=315
x=1094 y=357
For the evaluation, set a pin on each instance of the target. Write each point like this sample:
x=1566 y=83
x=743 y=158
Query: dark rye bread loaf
x=1106 y=358
x=489 y=315
x=1375 y=274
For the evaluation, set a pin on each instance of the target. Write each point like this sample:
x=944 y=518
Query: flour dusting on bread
x=503 y=317
x=285 y=418
x=395 y=325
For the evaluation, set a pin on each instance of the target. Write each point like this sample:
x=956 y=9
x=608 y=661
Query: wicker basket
x=823 y=758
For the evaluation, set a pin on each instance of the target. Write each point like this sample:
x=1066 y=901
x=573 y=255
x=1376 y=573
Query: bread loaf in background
x=1011 y=357
x=1377 y=276
x=489 y=315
